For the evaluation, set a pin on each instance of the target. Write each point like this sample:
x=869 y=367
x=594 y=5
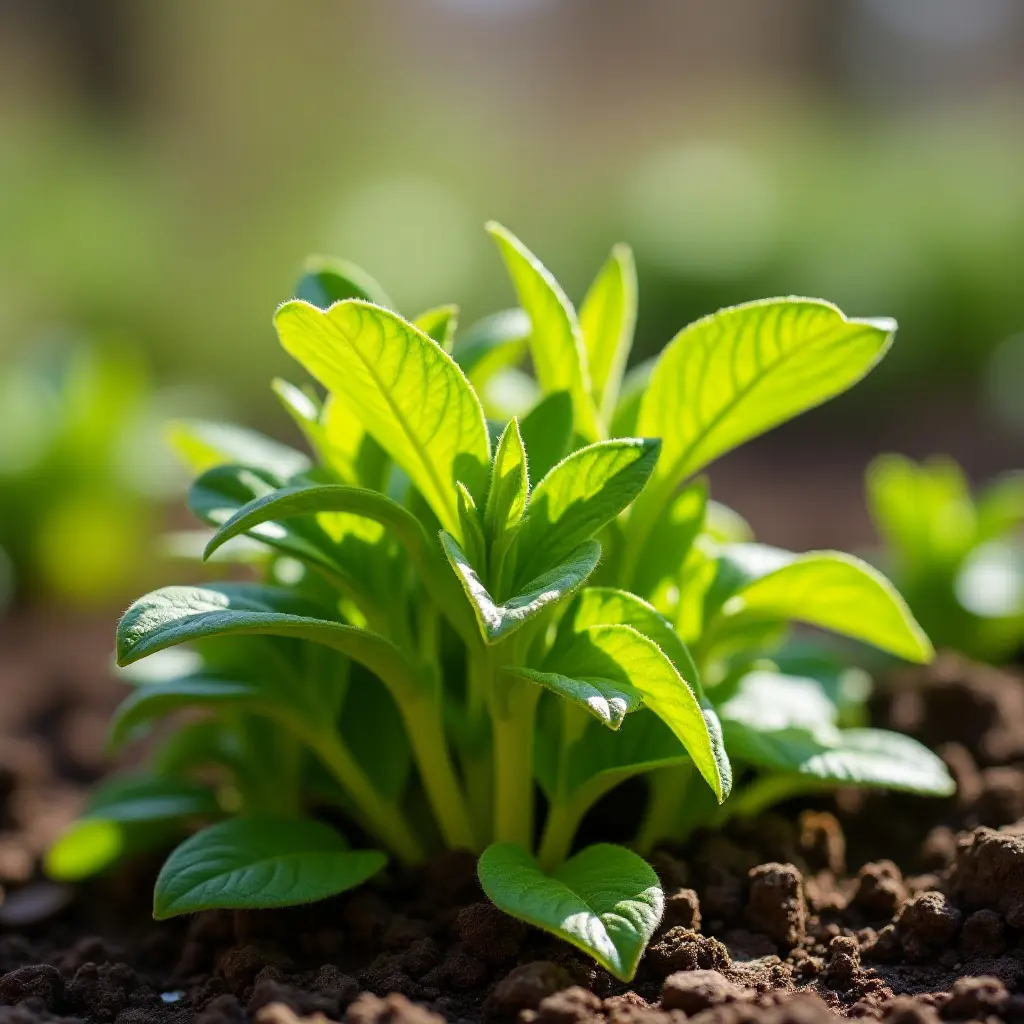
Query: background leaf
x=606 y=900
x=547 y=433
x=327 y=280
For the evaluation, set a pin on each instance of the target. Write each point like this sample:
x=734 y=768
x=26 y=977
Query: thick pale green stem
x=665 y=815
x=513 y=722
x=381 y=817
x=424 y=722
x=566 y=810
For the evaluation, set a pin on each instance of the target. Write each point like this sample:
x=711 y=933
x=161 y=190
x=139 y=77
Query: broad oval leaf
x=607 y=320
x=405 y=390
x=838 y=592
x=259 y=863
x=621 y=653
x=556 y=341
x=605 y=900
x=327 y=280
x=745 y=369
x=496 y=620
x=580 y=495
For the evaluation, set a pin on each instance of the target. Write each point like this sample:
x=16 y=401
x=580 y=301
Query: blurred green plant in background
x=82 y=468
x=958 y=559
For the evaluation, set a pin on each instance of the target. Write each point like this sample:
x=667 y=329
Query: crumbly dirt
x=897 y=909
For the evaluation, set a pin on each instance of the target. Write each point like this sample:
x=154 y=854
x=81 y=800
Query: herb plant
x=458 y=616
x=959 y=560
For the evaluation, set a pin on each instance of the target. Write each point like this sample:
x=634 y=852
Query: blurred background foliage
x=166 y=168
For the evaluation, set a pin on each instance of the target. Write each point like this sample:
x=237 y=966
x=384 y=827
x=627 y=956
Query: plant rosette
x=456 y=607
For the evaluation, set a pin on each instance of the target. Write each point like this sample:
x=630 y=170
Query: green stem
x=424 y=722
x=513 y=720
x=565 y=811
x=665 y=815
x=381 y=817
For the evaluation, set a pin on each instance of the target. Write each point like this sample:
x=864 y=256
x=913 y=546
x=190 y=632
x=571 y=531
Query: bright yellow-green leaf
x=556 y=341
x=404 y=389
x=607 y=319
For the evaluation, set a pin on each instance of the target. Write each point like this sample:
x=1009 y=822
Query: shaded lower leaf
x=257 y=863
x=605 y=900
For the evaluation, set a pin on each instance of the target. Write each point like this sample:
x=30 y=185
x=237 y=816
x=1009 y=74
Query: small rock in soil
x=41 y=981
x=525 y=987
x=776 y=903
x=880 y=890
x=822 y=841
x=975 y=999
x=682 y=908
x=492 y=936
x=693 y=991
x=989 y=873
x=681 y=949
x=905 y=1010
x=574 y=1005
x=102 y=991
x=392 y=1009
x=983 y=935
x=925 y=924
x=843 y=963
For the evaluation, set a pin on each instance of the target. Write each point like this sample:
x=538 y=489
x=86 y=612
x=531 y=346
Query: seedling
x=958 y=559
x=455 y=612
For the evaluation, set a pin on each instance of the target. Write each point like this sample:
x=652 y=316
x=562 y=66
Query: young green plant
x=958 y=559
x=455 y=614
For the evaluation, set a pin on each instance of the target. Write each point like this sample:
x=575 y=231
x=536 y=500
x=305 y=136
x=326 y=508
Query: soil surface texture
x=890 y=908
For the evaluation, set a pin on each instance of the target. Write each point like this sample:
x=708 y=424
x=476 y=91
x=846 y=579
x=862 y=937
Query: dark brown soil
x=903 y=910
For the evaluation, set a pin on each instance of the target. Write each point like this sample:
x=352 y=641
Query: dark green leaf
x=259 y=863
x=547 y=433
x=327 y=280
x=606 y=900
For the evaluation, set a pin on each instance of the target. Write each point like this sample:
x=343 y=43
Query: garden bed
x=879 y=906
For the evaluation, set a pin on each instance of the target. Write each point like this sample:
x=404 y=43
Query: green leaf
x=547 y=433
x=556 y=341
x=510 y=484
x=669 y=542
x=439 y=323
x=609 y=700
x=605 y=900
x=834 y=591
x=147 y=703
x=622 y=654
x=201 y=445
x=125 y=816
x=607 y=320
x=328 y=280
x=496 y=343
x=583 y=493
x=176 y=615
x=924 y=512
x=1001 y=507
x=631 y=394
x=404 y=388
x=259 y=863
x=471 y=529
x=745 y=369
x=496 y=620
